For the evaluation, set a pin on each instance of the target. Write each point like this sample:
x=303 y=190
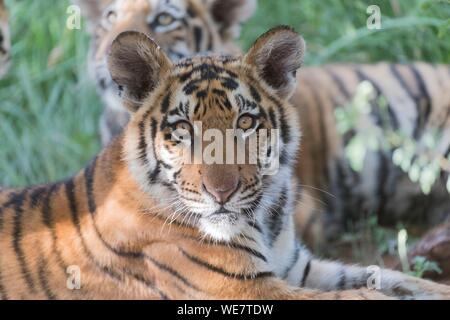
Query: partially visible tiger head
x=182 y=28
x=209 y=94
x=5 y=44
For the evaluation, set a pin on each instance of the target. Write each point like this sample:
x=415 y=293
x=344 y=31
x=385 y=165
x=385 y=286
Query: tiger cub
x=5 y=44
x=333 y=193
x=182 y=28
x=153 y=217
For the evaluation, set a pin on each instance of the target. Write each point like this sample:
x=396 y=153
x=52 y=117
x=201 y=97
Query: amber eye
x=164 y=19
x=246 y=122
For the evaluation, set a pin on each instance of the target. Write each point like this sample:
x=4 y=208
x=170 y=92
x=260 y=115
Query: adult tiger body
x=5 y=44
x=417 y=107
x=182 y=28
x=139 y=222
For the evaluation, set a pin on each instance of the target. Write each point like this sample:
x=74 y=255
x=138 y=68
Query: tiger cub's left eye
x=164 y=19
x=246 y=122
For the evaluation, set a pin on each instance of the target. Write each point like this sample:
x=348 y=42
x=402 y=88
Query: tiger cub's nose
x=221 y=187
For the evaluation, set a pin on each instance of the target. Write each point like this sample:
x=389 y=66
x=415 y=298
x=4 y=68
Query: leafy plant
x=422 y=265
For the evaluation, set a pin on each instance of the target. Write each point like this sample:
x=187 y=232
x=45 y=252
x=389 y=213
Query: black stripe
x=374 y=106
x=153 y=175
x=197 y=108
x=47 y=219
x=165 y=165
x=383 y=174
x=198 y=36
x=165 y=103
x=237 y=276
x=172 y=272
x=3 y=293
x=340 y=83
x=190 y=87
x=342 y=279
x=249 y=196
x=1 y=219
x=206 y=69
x=89 y=175
x=42 y=270
x=305 y=273
x=284 y=127
x=255 y=226
x=447 y=152
x=17 y=239
x=423 y=94
x=37 y=194
x=46 y=210
x=273 y=118
x=255 y=94
x=154 y=127
x=294 y=260
x=230 y=83
x=409 y=92
x=276 y=216
x=210 y=41
x=219 y=92
x=233 y=245
x=142 y=143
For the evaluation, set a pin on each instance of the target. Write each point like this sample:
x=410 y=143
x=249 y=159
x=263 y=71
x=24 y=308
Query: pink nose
x=222 y=192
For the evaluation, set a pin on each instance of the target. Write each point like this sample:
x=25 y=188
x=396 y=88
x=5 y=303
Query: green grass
x=49 y=110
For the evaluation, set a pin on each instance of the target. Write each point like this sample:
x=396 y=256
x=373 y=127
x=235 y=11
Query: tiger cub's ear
x=276 y=56
x=136 y=64
x=230 y=14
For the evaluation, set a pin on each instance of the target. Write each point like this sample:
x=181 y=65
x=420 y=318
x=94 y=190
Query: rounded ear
x=230 y=14
x=276 y=56
x=136 y=64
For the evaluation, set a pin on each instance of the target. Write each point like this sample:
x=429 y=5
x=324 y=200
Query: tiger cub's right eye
x=164 y=19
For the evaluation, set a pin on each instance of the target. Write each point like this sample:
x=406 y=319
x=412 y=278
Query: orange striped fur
x=119 y=221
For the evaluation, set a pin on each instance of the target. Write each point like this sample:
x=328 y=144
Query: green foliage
x=422 y=265
x=49 y=110
x=336 y=30
x=420 y=159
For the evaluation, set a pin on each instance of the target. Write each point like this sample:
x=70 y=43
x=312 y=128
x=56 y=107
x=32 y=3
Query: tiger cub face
x=5 y=45
x=176 y=144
